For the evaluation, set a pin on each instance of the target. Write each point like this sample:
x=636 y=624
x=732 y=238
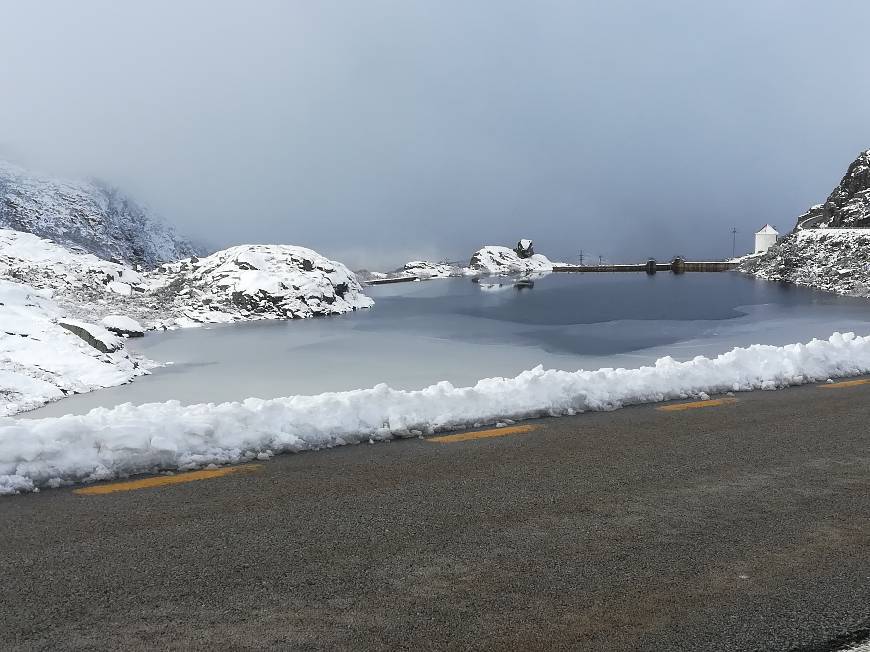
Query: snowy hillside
x=835 y=260
x=45 y=356
x=427 y=269
x=502 y=260
x=832 y=259
x=88 y=215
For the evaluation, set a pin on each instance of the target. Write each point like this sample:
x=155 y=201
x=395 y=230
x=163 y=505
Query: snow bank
x=107 y=443
x=501 y=260
x=123 y=325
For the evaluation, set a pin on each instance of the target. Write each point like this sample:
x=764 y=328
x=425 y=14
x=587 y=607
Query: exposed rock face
x=501 y=260
x=90 y=216
x=524 y=249
x=849 y=204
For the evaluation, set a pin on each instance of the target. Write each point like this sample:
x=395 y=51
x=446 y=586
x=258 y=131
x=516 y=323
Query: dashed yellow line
x=164 y=480
x=847 y=383
x=694 y=405
x=482 y=434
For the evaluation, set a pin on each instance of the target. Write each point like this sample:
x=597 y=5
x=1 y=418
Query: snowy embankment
x=108 y=443
x=45 y=356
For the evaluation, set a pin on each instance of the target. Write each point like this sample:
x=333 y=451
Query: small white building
x=765 y=239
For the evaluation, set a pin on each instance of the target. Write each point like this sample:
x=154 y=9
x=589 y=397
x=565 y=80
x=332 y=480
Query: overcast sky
x=381 y=131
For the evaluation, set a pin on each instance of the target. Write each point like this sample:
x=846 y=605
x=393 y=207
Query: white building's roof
x=767 y=230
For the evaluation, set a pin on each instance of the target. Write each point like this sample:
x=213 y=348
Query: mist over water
x=421 y=333
x=385 y=131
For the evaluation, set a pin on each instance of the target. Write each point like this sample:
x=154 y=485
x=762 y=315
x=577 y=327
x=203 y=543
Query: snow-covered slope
x=257 y=282
x=106 y=443
x=502 y=260
x=89 y=215
x=835 y=260
x=428 y=269
x=45 y=356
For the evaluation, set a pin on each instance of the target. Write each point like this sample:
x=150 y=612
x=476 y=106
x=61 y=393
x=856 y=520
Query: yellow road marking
x=847 y=383
x=482 y=434
x=164 y=480
x=713 y=402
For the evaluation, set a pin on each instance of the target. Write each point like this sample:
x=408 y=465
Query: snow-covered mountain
x=88 y=216
x=830 y=246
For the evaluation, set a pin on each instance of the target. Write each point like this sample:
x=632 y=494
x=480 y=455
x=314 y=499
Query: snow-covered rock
x=835 y=260
x=45 y=356
x=123 y=325
x=256 y=282
x=502 y=260
x=89 y=215
x=106 y=443
x=427 y=269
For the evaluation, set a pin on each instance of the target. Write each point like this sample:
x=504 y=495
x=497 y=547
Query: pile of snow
x=44 y=356
x=123 y=325
x=108 y=443
x=89 y=215
x=835 y=260
x=257 y=282
x=501 y=260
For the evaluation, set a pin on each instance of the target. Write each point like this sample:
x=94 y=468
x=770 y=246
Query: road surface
x=737 y=525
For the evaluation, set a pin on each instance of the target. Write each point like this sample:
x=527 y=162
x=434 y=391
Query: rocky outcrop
x=501 y=260
x=427 y=269
x=256 y=282
x=525 y=249
x=849 y=203
x=88 y=216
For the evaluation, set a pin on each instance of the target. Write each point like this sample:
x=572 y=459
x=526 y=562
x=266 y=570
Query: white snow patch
x=106 y=443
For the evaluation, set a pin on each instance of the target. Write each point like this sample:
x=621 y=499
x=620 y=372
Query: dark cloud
x=380 y=131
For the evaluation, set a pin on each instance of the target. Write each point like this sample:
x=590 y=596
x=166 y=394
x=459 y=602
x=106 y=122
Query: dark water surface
x=457 y=330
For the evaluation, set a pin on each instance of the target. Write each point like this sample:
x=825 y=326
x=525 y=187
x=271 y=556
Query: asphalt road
x=742 y=526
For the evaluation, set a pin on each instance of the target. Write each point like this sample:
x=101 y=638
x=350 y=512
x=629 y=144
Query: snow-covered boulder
x=89 y=215
x=257 y=282
x=525 y=249
x=502 y=260
x=122 y=325
x=43 y=358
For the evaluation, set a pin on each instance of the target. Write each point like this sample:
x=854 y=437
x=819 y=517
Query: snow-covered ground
x=45 y=356
x=108 y=443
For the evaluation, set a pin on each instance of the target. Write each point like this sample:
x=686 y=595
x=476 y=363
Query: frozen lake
x=456 y=330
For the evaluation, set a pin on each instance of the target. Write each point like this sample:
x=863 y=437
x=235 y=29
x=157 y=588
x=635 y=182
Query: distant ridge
x=90 y=216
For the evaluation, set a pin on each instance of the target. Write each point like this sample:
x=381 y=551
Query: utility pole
x=600 y=259
x=581 y=256
x=733 y=241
